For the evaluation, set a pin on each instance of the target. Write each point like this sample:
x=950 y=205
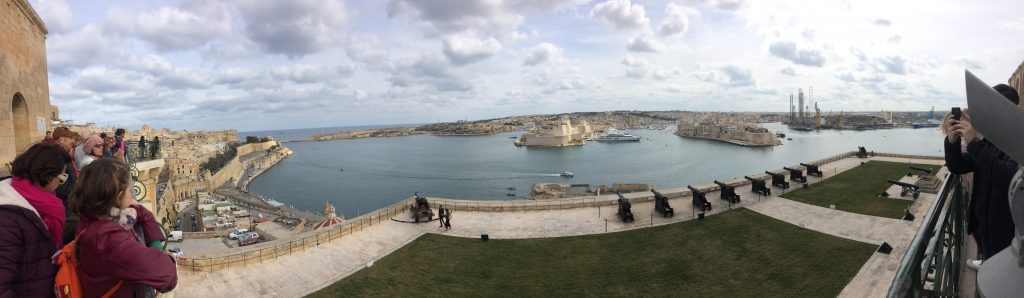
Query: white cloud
x=294 y=28
x=1017 y=25
x=645 y=43
x=738 y=76
x=309 y=74
x=56 y=15
x=543 y=53
x=636 y=67
x=788 y=70
x=462 y=16
x=663 y=73
x=676 y=20
x=75 y=50
x=788 y=50
x=172 y=28
x=892 y=64
x=621 y=14
x=726 y=4
x=462 y=50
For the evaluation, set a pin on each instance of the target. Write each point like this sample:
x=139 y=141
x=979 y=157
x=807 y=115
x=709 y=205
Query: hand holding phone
x=956 y=113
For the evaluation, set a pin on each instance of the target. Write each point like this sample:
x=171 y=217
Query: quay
x=313 y=260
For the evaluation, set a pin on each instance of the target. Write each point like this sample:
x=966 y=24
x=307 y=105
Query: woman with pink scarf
x=31 y=220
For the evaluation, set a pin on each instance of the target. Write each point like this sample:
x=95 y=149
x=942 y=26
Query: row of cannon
x=727 y=192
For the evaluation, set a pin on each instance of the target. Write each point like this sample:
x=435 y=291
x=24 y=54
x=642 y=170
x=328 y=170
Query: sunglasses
x=63 y=178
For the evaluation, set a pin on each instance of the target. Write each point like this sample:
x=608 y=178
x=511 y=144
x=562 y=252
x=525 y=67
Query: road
x=185 y=221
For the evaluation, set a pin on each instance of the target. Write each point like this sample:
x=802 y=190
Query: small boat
x=341 y=170
x=511 y=188
x=567 y=174
x=790 y=139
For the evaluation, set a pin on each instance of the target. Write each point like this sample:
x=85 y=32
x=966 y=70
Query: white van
x=175 y=236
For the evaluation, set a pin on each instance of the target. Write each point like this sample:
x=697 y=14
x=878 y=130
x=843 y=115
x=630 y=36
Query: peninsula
x=733 y=130
x=367 y=133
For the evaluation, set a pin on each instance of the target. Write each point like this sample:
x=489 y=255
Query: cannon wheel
x=430 y=217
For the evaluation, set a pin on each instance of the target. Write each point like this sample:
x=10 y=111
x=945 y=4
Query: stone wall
x=24 y=90
x=235 y=168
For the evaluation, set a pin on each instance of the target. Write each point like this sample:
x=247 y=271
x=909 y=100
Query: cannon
x=758 y=186
x=661 y=204
x=624 y=209
x=907 y=188
x=812 y=170
x=862 y=153
x=778 y=180
x=728 y=192
x=421 y=208
x=796 y=175
x=921 y=171
x=699 y=200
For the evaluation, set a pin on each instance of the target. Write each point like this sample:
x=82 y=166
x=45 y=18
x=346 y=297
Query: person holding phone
x=967 y=151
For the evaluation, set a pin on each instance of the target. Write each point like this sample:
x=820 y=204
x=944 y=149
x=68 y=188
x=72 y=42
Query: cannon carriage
x=624 y=209
x=421 y=209
x=728 y=192
x=700 y=201
x=759 y=186
x=796 y=175
x=812 y=170
x=778 y=180
x=661 y=204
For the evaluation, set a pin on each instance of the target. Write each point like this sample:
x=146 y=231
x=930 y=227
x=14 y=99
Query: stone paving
x=310 y=270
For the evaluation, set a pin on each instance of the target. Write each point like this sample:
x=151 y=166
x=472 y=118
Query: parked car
x=237 y=233
x=176 y=251
x=248 y=239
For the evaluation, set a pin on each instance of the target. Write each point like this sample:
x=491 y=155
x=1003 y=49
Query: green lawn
x=738 y=253
x=857 y=189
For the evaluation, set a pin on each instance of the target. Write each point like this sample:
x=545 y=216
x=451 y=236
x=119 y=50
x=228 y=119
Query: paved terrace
x=309 y=270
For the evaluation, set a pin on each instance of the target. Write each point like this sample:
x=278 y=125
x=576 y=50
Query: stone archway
x=22 y=124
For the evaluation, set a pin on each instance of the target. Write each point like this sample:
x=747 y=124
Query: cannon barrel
x=656 y=193
x=808 y=165
x=894 y=182
x=723 y=185
x=772 y=173
x=928 y=171
x=792 y=169
x=694 y=189
x=752 y=179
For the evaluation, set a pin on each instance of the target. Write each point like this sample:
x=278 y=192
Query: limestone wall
x=24 y=91
x=235 y=168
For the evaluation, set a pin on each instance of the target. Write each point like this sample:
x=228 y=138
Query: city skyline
x=261 y=65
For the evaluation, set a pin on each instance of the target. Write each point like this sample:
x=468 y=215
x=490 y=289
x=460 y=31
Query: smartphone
x=956 y=113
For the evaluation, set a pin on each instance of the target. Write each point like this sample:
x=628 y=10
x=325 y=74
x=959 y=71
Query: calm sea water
x=302 y=134
x=381 y=171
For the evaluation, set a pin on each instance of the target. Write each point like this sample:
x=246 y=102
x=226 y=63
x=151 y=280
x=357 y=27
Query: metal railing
x=142 y=151
x=933 y=262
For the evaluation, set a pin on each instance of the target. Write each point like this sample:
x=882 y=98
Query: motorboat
x=614 y=135
x=567 y=174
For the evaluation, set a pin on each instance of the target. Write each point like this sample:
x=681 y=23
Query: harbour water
x=361 y=175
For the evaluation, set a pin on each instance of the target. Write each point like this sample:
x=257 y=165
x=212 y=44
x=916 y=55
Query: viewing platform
x=312 y=261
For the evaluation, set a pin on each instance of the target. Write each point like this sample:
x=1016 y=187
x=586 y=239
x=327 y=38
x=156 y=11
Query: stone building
x=1017 y=79
x=25 y=110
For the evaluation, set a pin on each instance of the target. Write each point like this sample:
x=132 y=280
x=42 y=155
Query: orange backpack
x=66 y=284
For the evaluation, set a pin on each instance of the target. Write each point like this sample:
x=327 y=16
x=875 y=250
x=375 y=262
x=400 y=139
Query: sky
x=263 y=65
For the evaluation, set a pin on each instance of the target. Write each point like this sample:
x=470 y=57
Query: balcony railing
x=139 y=151
x=933 y=262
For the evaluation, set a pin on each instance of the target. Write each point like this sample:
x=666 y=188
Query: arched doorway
x=22 y=124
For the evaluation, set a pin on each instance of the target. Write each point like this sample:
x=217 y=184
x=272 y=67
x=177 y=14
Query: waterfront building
x=558 y=134
x=25 y=109
x=727 y=130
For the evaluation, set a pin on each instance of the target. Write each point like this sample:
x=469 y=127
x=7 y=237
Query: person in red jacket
x=31 y=219
x=120 y=244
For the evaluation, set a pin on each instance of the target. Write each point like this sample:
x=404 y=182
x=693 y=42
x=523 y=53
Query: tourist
x=112 y=253
x=91 y=150
x=108 y=145
x=49 y=138
x=447 y=219
x=440 y=216
x=118 y=149
x=142 y=147
x=65 y=138
x=154 y=146
x=967 y=151
x=31 y=219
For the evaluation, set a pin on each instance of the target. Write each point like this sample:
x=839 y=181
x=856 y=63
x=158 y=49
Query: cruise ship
x=614 y=135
